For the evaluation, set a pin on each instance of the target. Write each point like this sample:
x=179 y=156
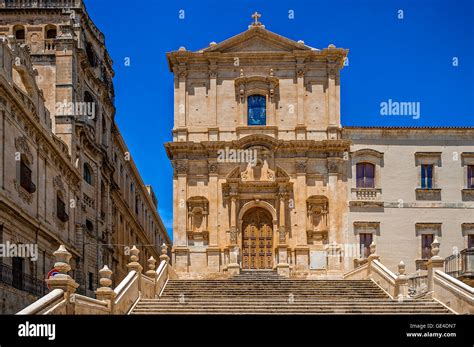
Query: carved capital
x=301 y=166
x=181 y=167
x=212 y=167
x=334 y=165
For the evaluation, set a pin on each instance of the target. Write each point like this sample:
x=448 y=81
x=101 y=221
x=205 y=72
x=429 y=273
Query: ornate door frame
x=255 y=204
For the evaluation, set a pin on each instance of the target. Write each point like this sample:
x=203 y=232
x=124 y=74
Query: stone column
x=332 y=69
x=213 y=92
x=62 y=280
x=300 y=92
x=182 y=102
x=233 y=267
x=213 y=220
x=300 y=202
x=434 y=263
x=180 y=215
x=105 y=293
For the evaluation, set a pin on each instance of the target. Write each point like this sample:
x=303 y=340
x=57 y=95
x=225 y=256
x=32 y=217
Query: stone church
x=265 y=176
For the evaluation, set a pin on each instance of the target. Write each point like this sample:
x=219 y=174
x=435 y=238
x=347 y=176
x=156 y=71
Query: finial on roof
x=256 y=16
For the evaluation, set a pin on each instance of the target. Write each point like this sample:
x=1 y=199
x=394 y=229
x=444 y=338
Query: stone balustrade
x=40 y=3
x=136 y=285
x=449 y=291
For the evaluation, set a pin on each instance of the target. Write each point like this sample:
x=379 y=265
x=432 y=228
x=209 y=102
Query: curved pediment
x=257 y=140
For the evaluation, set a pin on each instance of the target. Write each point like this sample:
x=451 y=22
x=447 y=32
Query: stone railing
x=63 y=298
x=40 y=3
x=447 y=290
x=395 y=285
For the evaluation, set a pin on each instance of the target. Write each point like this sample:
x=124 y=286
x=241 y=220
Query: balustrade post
x=134 y=265
x=373 y=256
x=401 y=282
x=62 y=280
x=105 y=293
x=434 y=263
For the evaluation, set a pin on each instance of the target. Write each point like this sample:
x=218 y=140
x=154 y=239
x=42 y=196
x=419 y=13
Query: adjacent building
x=66 y=174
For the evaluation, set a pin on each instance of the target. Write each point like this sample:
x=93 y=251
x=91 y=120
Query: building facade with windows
x=67 y=176
x=317 y=194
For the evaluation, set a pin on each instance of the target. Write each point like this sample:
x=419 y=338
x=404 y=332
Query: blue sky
x=409 y=59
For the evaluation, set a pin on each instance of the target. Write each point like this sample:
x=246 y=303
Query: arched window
x=365 y=175
x=19 y=32
x=87 y=174
x=51 y=32
x=257 y=114
x=91 y=56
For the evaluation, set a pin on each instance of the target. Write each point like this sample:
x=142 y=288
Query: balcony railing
x=50 y=45
x=417 y=284
x=42 y=3
x=460 y=264
x=22 y=281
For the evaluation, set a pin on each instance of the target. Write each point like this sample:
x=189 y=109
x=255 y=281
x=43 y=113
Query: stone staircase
x=265 y=292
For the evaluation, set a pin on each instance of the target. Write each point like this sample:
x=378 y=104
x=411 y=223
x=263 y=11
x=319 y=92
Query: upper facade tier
x=256 y=82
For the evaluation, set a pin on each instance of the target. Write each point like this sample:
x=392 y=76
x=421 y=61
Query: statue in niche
x=197 y=221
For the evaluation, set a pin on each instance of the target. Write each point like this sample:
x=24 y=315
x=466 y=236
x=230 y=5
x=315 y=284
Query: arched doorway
x=257 y=239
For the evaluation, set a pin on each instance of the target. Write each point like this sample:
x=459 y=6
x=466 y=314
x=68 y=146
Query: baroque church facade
x=66 y=174
x=310 y=196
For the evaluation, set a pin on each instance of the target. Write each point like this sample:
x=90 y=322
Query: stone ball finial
x=62 y=257
x=301 y=42
x=332 y=46
x=151 y=267
x=134 y=252
x=401 y=268
x=435 y=247
x=372 y=247
x=182 y=49
x=164 y=249
x=213 y=43
x=105 y=277
x=151 y=263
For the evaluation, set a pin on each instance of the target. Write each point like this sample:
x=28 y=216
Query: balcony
x=22 y=281
x=461 y=265
x=50 y=46
x=41 y=4
x=366 y=197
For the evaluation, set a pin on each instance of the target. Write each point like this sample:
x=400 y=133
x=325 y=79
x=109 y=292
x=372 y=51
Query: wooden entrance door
x=257 y=242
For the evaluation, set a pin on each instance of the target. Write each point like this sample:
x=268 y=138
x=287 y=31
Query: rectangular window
x=91 y=281
x=365 y=241
x=61 y=210
x=426 y=241
x=470 y=176
x=470 y=241
x=25 y=177
x=427 y=176
x=365 y=175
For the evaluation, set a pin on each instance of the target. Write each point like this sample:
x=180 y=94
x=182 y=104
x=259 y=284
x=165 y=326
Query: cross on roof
x=256 y=17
